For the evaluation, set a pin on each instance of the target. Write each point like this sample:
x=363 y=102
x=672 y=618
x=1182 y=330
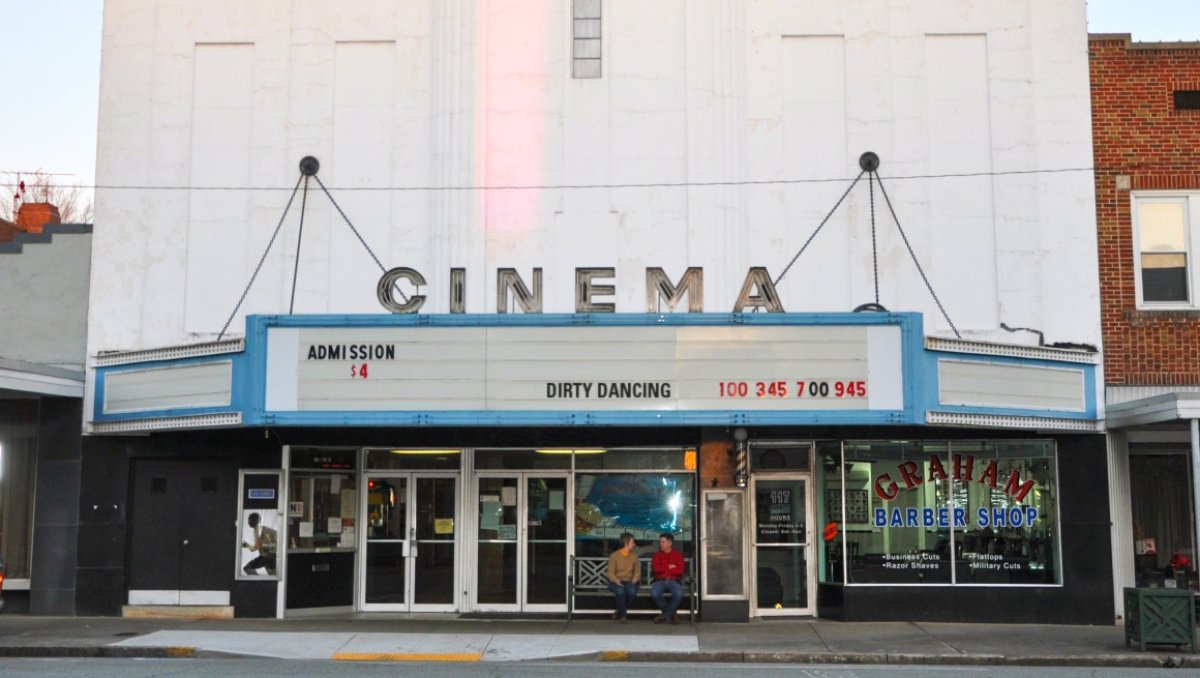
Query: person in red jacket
x=668 y=568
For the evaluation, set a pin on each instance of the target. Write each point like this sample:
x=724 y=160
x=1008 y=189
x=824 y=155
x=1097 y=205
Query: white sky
x=50 y=50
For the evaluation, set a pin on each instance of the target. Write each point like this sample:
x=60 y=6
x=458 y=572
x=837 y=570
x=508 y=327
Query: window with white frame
x=585 y=39
x=1165 y=227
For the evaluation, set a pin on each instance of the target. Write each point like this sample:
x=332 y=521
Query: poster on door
x=259 y=525
x=780 y=516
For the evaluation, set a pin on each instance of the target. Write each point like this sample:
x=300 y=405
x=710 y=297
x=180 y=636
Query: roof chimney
x=32 y=217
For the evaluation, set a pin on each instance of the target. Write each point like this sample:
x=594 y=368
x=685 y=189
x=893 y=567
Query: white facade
x=450 y=94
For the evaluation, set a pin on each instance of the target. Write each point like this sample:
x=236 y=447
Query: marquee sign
x=596 y=368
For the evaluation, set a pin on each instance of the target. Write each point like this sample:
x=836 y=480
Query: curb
x=99 y=651
x=1155 y=661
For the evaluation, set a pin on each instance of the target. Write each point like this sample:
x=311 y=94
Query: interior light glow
x=675 y=502
x=427 y=452
x=567 y=451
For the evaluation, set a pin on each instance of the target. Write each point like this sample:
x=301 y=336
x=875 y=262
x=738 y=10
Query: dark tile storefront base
x=1018 y=605
x=723 y=611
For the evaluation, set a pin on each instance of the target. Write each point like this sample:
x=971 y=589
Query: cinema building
x=551 y=272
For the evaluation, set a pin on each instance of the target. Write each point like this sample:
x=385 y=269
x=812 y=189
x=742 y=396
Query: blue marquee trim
x=918 y=369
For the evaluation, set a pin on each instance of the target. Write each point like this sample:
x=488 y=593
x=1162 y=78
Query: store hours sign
x=581 y=368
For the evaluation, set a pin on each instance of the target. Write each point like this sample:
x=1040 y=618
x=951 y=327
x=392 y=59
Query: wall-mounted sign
x=655 y=368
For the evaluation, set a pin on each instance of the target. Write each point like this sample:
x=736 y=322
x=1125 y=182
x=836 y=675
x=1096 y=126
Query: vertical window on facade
x=585 y=42
x=1187 y=100
x=1163 y=249
x=18 y=457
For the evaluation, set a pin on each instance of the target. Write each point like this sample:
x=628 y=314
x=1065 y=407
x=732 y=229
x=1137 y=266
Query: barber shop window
x=940 y=512
x=1011 y=535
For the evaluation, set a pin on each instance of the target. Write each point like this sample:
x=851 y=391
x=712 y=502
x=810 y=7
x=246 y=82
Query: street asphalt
x=378 y=637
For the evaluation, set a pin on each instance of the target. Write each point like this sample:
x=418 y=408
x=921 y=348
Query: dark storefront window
x=643 y=504
x=322 y=499
x=18 y=457
x=939 y=512
x=412 y=459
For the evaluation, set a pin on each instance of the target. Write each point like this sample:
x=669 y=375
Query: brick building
x=1146 y=124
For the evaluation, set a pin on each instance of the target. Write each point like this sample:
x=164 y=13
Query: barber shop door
x=183 y=536
x=782 y=578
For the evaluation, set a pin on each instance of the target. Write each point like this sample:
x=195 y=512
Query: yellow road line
x=408 y=656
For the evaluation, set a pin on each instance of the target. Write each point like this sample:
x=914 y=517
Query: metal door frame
x=809 y=555
x=522 y=478
x=410 y=548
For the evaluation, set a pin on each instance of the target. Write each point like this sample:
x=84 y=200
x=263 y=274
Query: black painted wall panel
x=56 y=507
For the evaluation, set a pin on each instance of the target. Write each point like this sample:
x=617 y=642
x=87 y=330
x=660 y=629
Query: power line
x=569 y=187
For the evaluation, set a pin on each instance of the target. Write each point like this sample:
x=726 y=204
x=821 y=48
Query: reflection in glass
x=434 y=574
x=546 y=547
x=780 y=508
x=1162 y=228
x=387 y=510
x=498 y=573
x=633 y=459
x=385 y=573
x=433 y=581
x=1009 y=537
x=781 y=577
x=322 y=510
x=893 y=510
x=497 y=521
x=644 y=504
x=907 y=539
x=725 y=576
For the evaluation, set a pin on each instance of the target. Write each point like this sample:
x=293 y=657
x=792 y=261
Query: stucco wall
x=455 y=93
x=44 y=297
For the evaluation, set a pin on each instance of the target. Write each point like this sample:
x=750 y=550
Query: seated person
x=668 y=570
x=623 y=575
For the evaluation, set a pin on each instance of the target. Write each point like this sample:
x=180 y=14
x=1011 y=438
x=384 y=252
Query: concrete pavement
x=446 y=638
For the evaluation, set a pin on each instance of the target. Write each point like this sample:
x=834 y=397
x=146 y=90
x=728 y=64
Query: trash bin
x=1160 y=617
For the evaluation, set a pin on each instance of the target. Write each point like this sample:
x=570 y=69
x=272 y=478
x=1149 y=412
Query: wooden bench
x=589 y=578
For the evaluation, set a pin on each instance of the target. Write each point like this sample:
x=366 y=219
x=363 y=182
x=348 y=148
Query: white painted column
x=1120 y=510
x=1195 y=425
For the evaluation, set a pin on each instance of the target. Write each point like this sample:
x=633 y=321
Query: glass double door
x=783 y=573
x=410 y=525
x=521 y=542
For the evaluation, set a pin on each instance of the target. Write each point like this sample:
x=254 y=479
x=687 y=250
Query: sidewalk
x=444 y=638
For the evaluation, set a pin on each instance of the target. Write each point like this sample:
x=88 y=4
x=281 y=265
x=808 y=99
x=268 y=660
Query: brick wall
x=1139 y=134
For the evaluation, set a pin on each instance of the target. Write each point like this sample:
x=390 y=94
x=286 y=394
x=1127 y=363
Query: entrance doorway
x=522 y=542
x=783 y=567
x=409 y=542
x=182 y=525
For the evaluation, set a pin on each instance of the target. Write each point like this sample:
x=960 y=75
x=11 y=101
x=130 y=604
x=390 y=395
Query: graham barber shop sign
x=962 y=468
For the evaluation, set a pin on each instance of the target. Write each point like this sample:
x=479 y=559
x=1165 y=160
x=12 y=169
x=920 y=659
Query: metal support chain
x=262 y=260
x=299 y=240
x=916 y=261
x=358 y=235
x=874 y=246
x=820 y=226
